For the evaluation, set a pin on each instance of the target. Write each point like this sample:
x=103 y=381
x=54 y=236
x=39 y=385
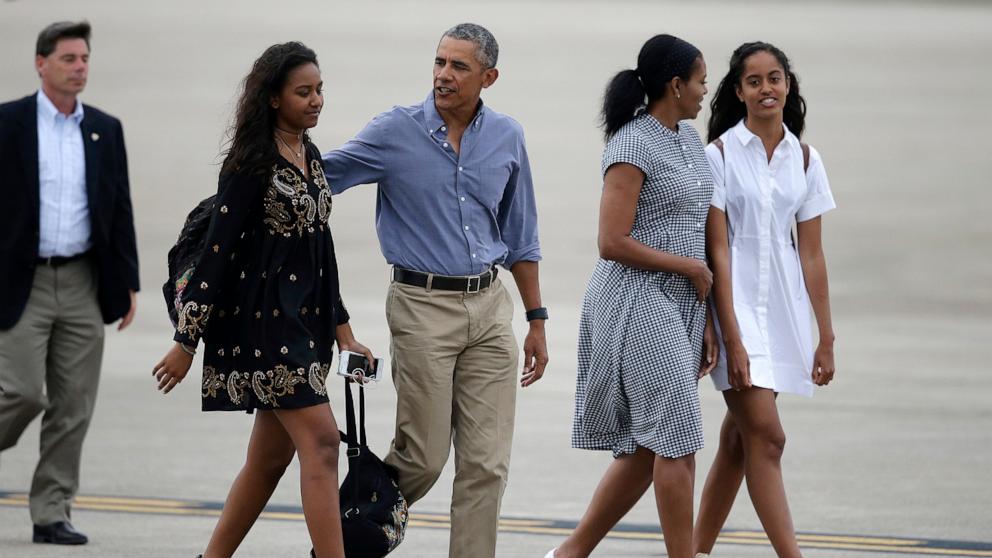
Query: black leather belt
x=469 y=284
x=56 y=261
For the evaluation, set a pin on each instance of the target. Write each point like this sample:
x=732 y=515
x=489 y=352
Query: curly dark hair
x=726 y=110
x=251 y=148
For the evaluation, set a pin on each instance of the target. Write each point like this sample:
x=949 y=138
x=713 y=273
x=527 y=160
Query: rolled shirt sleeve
x=715 y=158
x=819 y=198
x=518 y=213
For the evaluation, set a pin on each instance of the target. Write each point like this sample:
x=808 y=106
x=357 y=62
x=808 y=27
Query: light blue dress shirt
x=64 y=213
x=439 y=211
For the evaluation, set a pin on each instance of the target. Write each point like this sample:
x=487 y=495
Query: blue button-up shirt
x=440 y=211
x=64 y=211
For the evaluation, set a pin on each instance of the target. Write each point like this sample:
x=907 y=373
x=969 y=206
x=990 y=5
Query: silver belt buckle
x=478 y=284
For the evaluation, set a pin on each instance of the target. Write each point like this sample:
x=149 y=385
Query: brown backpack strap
x=805 y=147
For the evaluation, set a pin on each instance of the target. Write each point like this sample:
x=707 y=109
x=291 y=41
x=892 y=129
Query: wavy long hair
x=726 y=110
x=252 y=148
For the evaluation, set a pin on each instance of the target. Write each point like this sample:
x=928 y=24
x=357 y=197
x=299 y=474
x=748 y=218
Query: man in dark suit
x=70 y=264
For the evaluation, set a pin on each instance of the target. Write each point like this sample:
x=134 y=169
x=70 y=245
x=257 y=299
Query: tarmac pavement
x=900 y=445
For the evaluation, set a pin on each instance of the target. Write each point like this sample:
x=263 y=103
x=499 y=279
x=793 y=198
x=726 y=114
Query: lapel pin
x=95 y=136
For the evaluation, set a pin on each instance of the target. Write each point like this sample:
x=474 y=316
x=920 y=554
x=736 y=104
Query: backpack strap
x=805 y=147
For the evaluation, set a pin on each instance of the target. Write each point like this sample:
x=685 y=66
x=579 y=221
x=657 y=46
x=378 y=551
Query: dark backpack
x=374 y=513
x=184 y=255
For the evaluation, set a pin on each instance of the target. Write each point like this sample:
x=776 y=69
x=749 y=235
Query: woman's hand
x=823 y=364
x=702 y=278
x=172 y=368
x=738 y=365
x=711 y=349
x=347 y=342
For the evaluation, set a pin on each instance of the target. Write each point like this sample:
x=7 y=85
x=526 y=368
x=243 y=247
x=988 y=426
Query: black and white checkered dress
x=641 y=332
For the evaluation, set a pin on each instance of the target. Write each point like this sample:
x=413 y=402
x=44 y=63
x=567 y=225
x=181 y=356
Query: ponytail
x=661 y=59
x=624 y=95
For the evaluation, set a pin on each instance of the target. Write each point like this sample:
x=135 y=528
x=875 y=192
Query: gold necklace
x=296 y=155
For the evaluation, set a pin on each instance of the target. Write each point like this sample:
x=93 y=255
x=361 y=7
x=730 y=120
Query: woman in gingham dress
x=644 y=318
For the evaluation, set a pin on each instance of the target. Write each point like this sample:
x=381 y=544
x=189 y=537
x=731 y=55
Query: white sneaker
x=551 y=553
x=702 y=555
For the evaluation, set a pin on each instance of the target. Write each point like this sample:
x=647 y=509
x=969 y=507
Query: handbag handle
x=349 y=404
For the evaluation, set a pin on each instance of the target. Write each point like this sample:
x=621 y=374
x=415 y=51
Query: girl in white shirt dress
x=764 y=281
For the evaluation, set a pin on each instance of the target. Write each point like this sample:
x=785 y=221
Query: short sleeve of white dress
x=819 y=198
x=627 y=146
x=715 y=158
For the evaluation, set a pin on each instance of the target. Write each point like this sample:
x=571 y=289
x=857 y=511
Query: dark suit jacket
x=114 y=251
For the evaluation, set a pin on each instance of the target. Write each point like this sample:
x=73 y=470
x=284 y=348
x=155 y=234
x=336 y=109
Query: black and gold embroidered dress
x=264 y=295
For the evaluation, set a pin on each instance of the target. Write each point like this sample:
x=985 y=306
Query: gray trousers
x=50 y=362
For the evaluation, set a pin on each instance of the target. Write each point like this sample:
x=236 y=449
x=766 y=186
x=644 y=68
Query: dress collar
x=665 y=130
x=746 y=136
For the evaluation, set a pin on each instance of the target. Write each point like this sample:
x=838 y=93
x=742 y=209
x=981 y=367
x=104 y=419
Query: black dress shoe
x=61 y=532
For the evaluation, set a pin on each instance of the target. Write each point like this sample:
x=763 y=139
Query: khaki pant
x=454 y=369
x=50 y=362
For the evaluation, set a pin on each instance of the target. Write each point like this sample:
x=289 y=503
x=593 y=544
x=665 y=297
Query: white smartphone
x=358 y=368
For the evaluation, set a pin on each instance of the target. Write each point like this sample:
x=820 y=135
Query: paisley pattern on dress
x=266 y=385
x=318 y=377
x=289 y=207
x=193 y=319
x=267 y=280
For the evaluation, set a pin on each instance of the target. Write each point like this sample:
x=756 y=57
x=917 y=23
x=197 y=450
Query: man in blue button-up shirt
x=455 y=199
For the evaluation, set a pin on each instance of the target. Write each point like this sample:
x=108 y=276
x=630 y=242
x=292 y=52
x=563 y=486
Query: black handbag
x=374 y=512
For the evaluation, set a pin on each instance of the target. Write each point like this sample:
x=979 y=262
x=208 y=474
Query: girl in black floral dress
x=264 y=297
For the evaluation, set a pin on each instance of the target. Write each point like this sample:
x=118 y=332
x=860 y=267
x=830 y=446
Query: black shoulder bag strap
x=355 y=437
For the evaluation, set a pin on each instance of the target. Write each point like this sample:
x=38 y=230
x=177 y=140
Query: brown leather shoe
x=61 y=532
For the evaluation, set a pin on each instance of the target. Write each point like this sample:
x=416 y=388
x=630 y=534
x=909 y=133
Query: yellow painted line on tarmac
x=882 y=545
x=829 y=538
x=111 y=500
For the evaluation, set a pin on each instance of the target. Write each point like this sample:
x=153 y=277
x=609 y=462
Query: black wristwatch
x=537 y=314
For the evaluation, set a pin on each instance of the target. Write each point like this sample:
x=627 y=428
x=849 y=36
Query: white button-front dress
x=762 y=200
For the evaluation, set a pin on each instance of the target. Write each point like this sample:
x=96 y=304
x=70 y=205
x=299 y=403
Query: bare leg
x=270 y=451
x=623 y=484
x=673 y=481
x=315 y=435
x=722 y=485
x=756 y=416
